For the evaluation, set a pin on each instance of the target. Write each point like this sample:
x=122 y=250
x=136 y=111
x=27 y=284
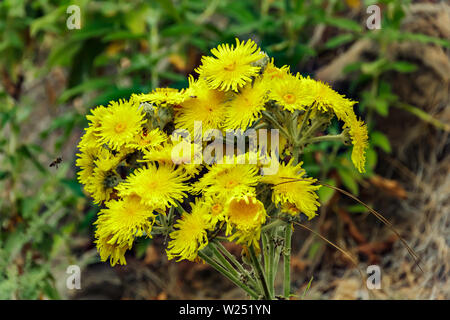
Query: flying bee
x=56 y=162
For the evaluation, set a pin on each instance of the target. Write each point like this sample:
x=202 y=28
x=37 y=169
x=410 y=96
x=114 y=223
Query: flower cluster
x=127 y=165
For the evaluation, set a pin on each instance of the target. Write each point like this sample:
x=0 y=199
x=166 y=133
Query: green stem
x=423 y=116
x=235 y=262
x=228 y=275
x=277 y=254
x=304 y=122
x=265 y=251
x=287 y=261
x=273 y=224
x=259 y=272
x=270 y=258
x=336 y=137
x=223 y=260
x=271 y=119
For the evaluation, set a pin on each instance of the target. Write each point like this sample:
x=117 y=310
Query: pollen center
x=217 y=208
x=230 y=66
x=242 y=212
x=120 y=127
x=289 y=98
x=153 y=185
x=230 y=184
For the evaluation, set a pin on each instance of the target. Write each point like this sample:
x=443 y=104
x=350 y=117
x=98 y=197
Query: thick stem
x=287 y=261
x=228 y=275
x=272 y=120
x=235 y=262
x=265 y=245
x=273 y=224
x=337 y=137
x=277 y=254
x=223 y=260
x=259 y=272
x=270 y=259
x=304 y=122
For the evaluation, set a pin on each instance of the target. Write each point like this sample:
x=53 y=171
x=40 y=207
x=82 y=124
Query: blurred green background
x=51 y=76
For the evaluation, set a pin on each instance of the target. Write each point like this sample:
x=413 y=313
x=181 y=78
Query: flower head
x=232 y=67
x=121 y=124
x=115 y=252
x=359 y=136
x=288 y=92
x=124 y=219
x=246 y=215
x=157 y=186
x=85 y=162
x=161 y=97
x=205 y=105
x=273 y=73
x=148 y=140
x=246 y=106
x=227 y=180
x=292 y=188
x=103 y=177
x=190 y=235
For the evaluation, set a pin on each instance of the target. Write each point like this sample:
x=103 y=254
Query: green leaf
x=348 y=181
x=371 y=158
x=356 y=208
x=86 y=86
x=325 y=193
x=73 y=185
x=380 y=140
x=180 y=29
x=344 y=23
x=382 y=107
x=26 y=153
x=47 y=22
x=4 y=174
x=374 y=67
x=403 y=66
x=339 y=40
x=315 y=246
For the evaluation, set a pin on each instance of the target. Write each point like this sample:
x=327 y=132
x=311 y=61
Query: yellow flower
x=215 y=208
x=191 y=234
x=85 y=162
x=158 y=187
x=232 y=68
x=162 y=154
x=288 y=93
x=90 y=139
x=124 y=220
x=148 y=140
x=191 y=169
x=161 y=96
x=325 y=98
x=167 y=155
x=104 y=178
x=96 y=115
x=359 y=136
x=114 y=251
x=291 y=187
x=226 y=180
x=245 y=215
x=246 y=106
x=205 y=105
x=121 y=124
x=273 y=73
